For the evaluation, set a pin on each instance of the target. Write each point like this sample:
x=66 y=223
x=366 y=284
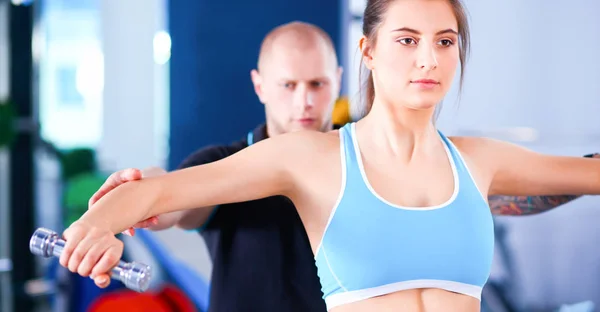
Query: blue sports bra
x=371 y=247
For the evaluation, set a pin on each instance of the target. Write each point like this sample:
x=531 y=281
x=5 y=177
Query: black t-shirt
x=262 y=260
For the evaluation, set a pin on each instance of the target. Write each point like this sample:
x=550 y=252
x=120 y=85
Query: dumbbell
x=135 y=276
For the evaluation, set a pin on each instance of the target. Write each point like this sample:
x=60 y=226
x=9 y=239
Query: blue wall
x=215 y=46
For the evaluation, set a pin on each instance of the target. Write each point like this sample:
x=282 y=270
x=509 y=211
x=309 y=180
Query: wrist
x=90 y=221
x=124 y=206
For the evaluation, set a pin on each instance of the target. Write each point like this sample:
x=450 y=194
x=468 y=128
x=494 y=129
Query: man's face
x=298 y=88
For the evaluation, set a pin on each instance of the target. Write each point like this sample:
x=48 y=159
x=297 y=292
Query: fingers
x=91 y=252
x=91 y=258
x=87 y=250
x=78 y=253
x=108 y=261
x=102 y=280
x=113 y=181
x=73 y=235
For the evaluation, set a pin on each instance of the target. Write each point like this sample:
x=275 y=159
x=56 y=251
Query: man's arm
x=529 y=205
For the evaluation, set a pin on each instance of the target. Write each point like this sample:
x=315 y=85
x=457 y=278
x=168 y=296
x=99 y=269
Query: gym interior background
x=88 y=87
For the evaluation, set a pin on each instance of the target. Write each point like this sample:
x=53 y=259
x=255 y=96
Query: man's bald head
x=298 y=78
x=298 y=36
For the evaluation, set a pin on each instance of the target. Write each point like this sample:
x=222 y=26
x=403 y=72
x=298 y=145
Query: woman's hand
x=91 y=251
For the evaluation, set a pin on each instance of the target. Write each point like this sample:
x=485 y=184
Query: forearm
x=187 y=219
x=526 y=205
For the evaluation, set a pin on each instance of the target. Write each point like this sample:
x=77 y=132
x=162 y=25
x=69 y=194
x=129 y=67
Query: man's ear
x=257 y=82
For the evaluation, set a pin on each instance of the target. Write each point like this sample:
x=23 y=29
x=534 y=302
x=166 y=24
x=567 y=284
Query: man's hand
x=124 y=176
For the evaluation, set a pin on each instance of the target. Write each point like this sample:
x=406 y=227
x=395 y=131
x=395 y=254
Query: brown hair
x=372 y=19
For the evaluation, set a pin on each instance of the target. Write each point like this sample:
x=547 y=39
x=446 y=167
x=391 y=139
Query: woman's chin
x=422 y=105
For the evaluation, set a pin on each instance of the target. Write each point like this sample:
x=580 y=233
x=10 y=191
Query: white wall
x=117 y=100
x=534 y=64
x=134 y=116
x=101 y=84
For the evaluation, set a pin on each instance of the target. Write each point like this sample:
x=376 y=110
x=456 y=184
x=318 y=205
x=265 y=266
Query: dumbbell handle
x=135 y=276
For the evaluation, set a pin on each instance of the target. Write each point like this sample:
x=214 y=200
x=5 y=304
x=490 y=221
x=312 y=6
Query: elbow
x=181 y=221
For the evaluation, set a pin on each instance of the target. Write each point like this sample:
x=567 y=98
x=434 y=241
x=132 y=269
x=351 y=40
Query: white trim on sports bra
x=361 y=166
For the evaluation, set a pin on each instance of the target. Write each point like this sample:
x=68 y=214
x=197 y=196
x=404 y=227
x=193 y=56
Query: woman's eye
x=446 y=42
x=407 y=41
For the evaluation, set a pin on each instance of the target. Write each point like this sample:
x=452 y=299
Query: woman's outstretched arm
x=267 y=168
x=261 y=170
x=515 y=170
x=529 y=205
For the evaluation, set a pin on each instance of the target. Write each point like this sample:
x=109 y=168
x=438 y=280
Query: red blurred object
x=168 y=299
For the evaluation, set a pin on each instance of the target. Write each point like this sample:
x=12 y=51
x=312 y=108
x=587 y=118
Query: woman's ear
x=366 y=50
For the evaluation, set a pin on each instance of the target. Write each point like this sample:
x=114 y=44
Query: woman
x=395 y=211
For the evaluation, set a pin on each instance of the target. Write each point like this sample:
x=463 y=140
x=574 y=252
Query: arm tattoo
x=528 y=205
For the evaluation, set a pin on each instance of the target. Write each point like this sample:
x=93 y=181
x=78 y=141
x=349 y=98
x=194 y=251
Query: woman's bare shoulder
x=309 y=141
x=487 y=150
x=307 y=155
x=474 y=147
x=478 y=154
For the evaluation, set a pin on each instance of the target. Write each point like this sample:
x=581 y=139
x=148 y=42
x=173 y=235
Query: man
x=262 y=260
